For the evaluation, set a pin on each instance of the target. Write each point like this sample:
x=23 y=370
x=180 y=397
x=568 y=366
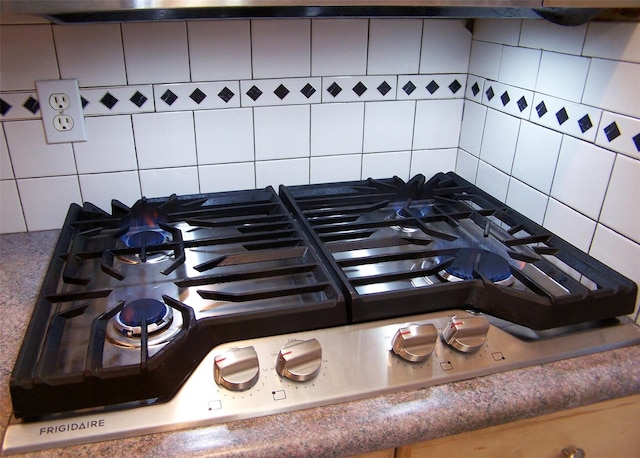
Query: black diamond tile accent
x=32 y=105
x=138 y=99
x=254 y=93
x=226 y=94
x=281 y=92
x=197 y=96
x=384 y=88
x=585 y=123
x=612 y=132
x=522 y=103
x=168 y=97
x=109 y=101
x=334 y=89
x=359 y=89
x=489 y=93
x=505 y=98
x=308 y=90
x=432 y=87
x=475 y=88
x=4 y=107
x=455 y=86
x=409 y=88
x=541 y=108
x=636 y=141
x=562 y=116
x=85 y=102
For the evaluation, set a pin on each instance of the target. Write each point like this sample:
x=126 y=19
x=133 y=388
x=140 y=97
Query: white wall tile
x=519 y=67
x=101 y=188
x=164 y=182
x=467 y=166
x=568 y=224
x=11 y=217
x=27 y=54
x=526 y=200
x=339 y=46
x=31 y=156
x=505 y=31
x=282 y=132
x=562 y=75
x=430 y=162
x=6 y=170
x=388 y=126
x=164 y=139
x=281 y=47
x=109 y=148
x=156 y=52
x=383 y=165
x=618 y=132
x=536 y=156
x=492 y=180
x=552 y=37
x=622 y=202
x=445 y=46
x=45 y=201
x=472 y=127
x=92 y=54
x=288 y=172
x=227 y=177
x=617 y=41
x=327 y=169
x=394 y=46
x=485 y=59
x=219 y=50
x=499 y=140
x=475 y=88
x=197 y=96
x=224 y=136
x=336 y=128
x=437 y=124
x=613 y=86
x=582 y=175
x=608 y=246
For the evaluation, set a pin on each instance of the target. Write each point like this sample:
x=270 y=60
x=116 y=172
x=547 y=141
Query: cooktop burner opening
x=469 y=263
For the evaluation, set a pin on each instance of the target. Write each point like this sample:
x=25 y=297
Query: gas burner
x=159 y=319
x=147 y=238
x=468 y=261
x=406 y=213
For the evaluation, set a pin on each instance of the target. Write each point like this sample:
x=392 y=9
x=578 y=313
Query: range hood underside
x=73 y=11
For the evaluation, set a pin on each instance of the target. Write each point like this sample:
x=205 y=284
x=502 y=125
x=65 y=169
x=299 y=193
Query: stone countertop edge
x=344 y=429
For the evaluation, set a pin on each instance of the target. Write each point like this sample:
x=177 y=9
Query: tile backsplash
x=544 y=117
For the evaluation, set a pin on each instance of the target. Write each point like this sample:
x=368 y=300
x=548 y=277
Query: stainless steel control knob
x=237 y=369
x=466 y=333
x=300 y=360
x=415 y=342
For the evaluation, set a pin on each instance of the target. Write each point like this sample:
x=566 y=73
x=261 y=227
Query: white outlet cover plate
x=71 y=89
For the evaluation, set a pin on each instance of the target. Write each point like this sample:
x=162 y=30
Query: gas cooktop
x=205 y=308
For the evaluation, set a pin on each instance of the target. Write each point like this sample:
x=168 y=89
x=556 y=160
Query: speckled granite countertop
x=340 y=430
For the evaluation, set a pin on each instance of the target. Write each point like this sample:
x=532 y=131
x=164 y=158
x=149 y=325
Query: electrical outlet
x=61 y=109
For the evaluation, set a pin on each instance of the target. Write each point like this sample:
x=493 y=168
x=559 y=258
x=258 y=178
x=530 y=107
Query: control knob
x=466 y=333
x=300 y=360
x=237 y=369
x=415 y=342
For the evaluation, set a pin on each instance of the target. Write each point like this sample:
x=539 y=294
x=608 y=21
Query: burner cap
x=145 y=237
x=156 y=314
x=488 y=264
